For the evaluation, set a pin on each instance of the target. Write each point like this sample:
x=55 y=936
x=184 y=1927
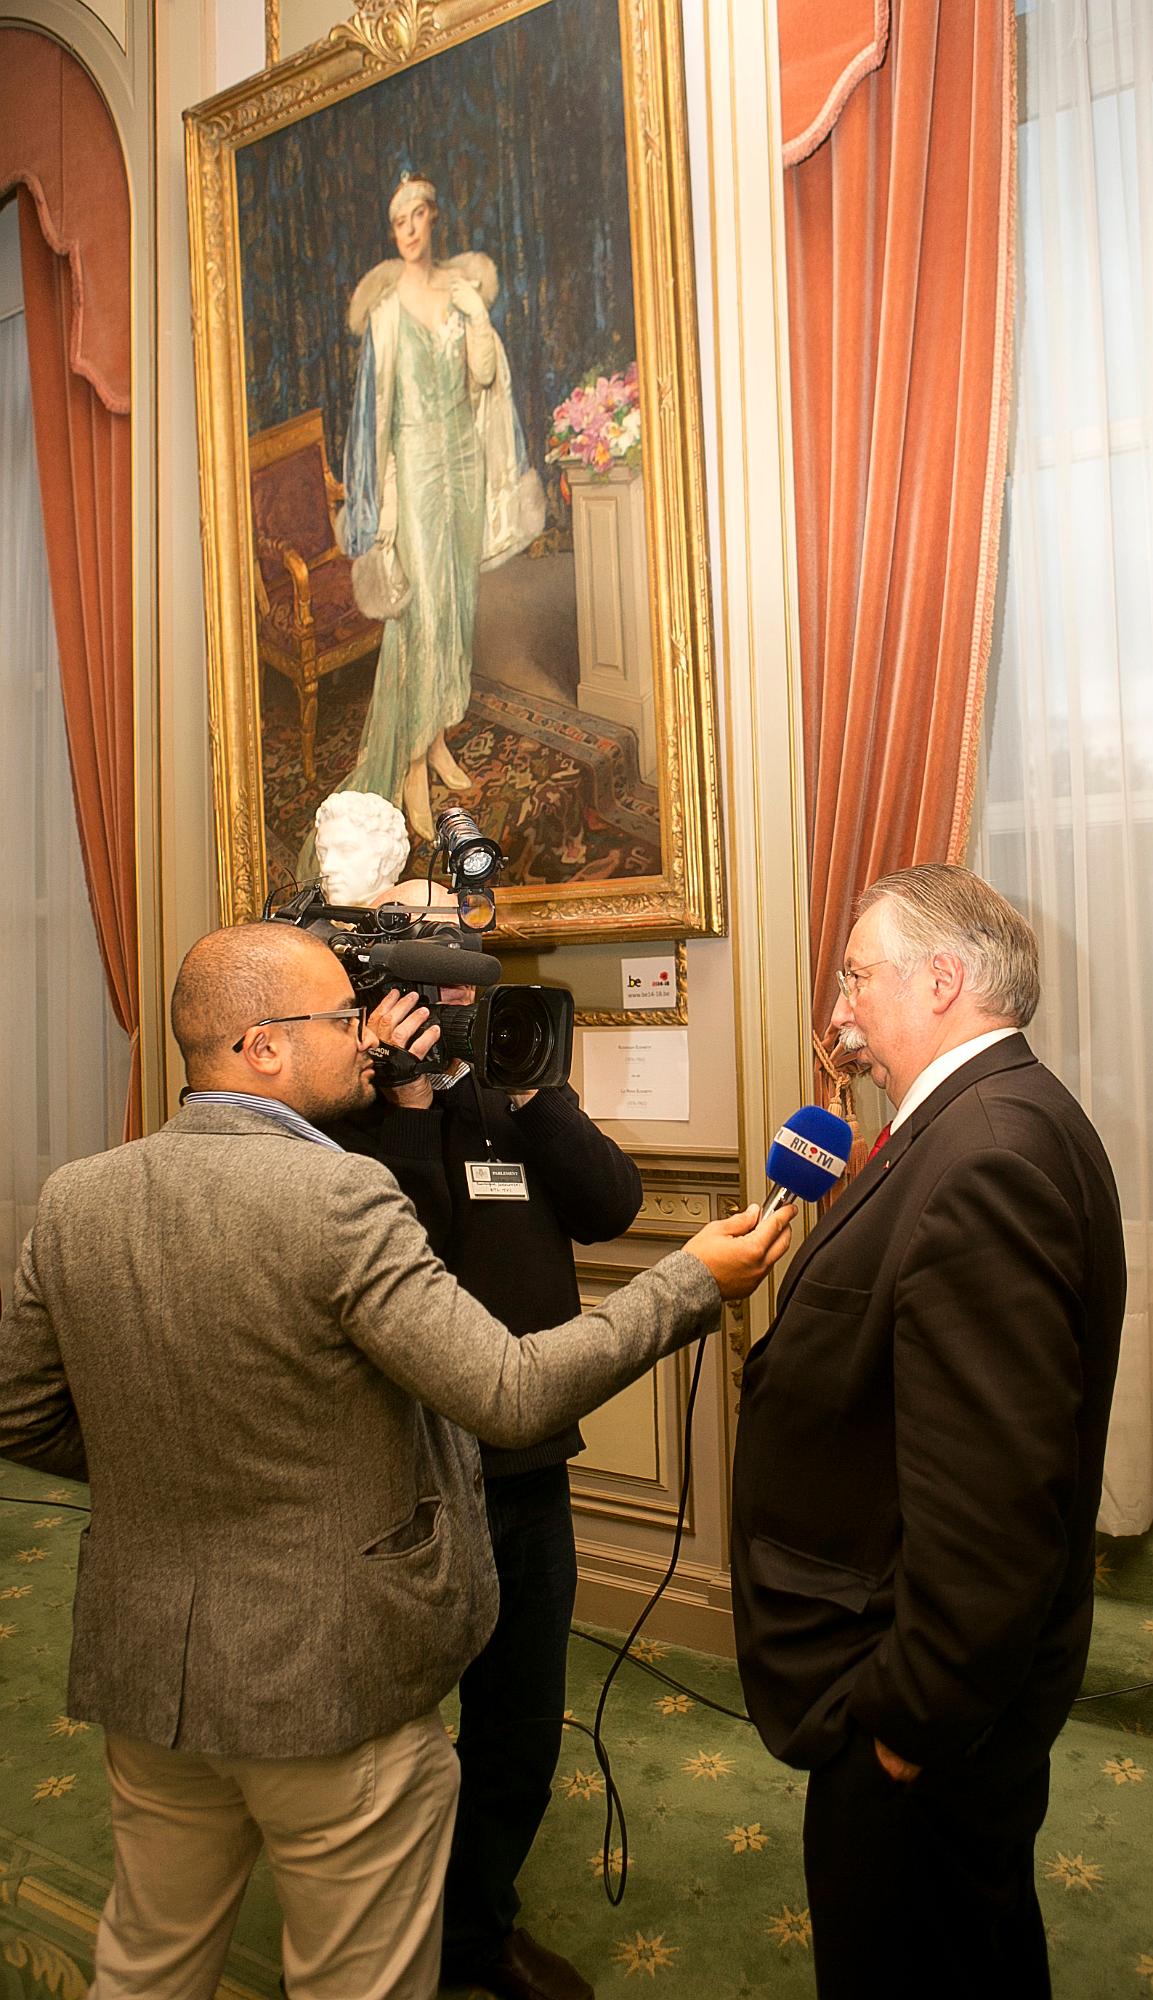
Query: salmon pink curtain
x=899 y=241
x=59 y=147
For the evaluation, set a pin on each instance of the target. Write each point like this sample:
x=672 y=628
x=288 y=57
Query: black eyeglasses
x=344 y=1014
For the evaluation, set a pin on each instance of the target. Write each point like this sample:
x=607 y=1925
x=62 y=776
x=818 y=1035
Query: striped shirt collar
x=269 y=1107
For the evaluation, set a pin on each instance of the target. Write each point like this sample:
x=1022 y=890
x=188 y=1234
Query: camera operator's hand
x=741 y=1251
x=400 y=1023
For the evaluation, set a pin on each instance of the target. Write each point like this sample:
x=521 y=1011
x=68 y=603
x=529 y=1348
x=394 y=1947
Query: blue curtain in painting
x=523 y=135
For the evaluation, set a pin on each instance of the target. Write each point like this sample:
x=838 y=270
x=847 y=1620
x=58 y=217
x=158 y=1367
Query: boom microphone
x=807 y=1157
x=410 y=962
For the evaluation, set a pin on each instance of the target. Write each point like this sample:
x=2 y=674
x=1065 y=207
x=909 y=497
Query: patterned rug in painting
x=559 y=790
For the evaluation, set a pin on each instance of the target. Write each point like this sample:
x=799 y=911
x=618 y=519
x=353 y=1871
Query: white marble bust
x=361 y=847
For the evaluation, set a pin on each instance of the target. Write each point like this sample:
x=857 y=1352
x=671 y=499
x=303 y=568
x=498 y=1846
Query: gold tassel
x=835 y=1085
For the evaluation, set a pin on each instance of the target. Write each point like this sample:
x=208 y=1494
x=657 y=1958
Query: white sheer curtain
x=1066 y=824
x=63 y=1060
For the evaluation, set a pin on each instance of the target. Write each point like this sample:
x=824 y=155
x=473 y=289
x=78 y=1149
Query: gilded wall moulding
x=445 y=336
x=392 y=31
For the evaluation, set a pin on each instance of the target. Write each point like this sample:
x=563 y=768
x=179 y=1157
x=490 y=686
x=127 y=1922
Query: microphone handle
x=776 y=1198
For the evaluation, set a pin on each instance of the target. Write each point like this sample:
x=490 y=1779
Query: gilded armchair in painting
x=307 y=621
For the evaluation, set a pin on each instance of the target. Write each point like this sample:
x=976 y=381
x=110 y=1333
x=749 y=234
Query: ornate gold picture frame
x=461 y=558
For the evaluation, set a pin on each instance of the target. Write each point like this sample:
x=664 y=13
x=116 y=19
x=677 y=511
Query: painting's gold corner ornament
x=392 y=31
x=737 y=1334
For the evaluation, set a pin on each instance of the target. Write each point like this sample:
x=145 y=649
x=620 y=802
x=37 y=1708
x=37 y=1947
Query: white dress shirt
x=935 y=1072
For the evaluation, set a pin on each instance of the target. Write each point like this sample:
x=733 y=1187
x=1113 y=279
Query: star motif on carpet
x=1124 y=1771
x=747 y=1839
x=582 y=1785
x=66 y=1725
x=31 y=1555
x=15 y=1590
x=792 y=1787
x=791 y=1927
x=1144 y=1967
x=54 y=1788
x=1074 y=1872
x=616 y=1862
x=708 y=1764
x=673 y=1704
x=642 y=1954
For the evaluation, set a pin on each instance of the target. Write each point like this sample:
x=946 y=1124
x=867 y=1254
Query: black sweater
x=514 y=1256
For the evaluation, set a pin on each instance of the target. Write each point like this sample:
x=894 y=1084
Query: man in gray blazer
x=239 y=1334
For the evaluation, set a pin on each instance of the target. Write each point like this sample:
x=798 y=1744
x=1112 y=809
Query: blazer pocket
x=775 y=1567
x=419 y=1532
x=848 y=1299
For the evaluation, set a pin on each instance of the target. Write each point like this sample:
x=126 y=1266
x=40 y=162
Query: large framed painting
x=450 y=450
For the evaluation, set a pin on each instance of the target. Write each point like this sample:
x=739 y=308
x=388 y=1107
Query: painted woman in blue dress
x=437 y=487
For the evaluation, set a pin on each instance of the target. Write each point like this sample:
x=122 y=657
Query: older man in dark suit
x=239 y=1333
x=919 y=1459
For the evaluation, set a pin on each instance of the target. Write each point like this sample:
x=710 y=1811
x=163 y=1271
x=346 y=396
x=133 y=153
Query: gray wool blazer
x=245 y=1342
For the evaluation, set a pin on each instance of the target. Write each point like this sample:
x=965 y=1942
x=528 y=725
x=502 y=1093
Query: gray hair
x=943 y=907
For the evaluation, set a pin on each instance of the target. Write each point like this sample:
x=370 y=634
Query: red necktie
x=882 y=1139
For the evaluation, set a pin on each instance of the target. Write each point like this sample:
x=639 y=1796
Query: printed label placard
x=649 y=982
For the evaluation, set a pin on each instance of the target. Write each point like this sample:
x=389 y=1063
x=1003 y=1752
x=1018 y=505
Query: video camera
x=515 y=1037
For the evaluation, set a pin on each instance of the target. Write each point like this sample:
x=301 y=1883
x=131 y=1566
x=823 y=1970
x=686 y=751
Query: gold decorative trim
x=390 y=31
x=380 y=39
x=271 y=32
x=691 y=1210
x=646 y=1017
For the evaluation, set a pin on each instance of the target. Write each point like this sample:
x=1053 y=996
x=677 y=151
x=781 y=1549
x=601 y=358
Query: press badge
x=496 y=1180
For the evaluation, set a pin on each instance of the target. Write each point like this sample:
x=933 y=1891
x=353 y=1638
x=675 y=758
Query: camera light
x=470 y=856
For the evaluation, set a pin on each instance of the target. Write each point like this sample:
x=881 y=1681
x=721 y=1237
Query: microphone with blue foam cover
x=807 y=1157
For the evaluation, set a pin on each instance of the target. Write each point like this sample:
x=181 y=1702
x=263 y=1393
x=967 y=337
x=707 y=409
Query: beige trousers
x=358 y=1845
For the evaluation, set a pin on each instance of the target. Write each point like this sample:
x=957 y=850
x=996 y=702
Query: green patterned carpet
x=715 y=1902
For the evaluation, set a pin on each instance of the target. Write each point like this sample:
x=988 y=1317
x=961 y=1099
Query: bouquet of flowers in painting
x=599 y=424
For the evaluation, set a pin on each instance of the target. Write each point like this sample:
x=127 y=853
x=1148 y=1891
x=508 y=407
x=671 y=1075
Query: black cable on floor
x=646 y=1667
x=1108 y=1694
x=612 y=1796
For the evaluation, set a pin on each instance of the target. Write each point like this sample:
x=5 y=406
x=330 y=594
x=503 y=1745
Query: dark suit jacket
x=918 y=1463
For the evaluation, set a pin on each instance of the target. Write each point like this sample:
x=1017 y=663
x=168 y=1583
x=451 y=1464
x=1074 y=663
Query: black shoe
x=525 y=1970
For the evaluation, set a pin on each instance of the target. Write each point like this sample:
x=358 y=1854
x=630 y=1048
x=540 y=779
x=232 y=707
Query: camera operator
x=515 y=1256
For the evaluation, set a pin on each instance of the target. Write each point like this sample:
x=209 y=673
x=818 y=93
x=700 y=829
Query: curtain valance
x=825 y=52
x=57 y=140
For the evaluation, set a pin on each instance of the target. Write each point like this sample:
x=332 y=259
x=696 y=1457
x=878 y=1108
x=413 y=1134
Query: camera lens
x=517 y=1037
x=528 y=1037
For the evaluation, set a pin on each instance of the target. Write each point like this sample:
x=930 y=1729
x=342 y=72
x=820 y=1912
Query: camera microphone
x=417 y=964
x=807 y=1157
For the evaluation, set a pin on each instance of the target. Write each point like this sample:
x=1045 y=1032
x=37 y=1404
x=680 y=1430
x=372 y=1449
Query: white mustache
x=852 y=1039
